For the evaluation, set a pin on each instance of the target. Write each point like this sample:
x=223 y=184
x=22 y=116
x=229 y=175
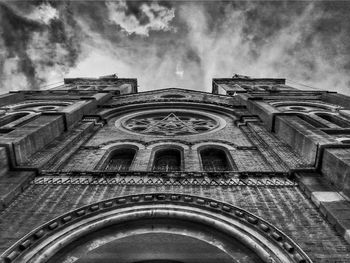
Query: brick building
x=95 y=171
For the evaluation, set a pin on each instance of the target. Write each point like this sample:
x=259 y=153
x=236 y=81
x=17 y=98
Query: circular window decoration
x=170 y=123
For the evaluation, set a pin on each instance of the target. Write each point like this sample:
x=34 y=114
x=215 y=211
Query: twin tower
x=95 y=171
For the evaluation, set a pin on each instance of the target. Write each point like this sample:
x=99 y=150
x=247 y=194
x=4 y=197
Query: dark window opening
x=311 y=121
x=120 y=160
x=167 y=160
x=11 y=118
x=214 y=160
x=334 y=119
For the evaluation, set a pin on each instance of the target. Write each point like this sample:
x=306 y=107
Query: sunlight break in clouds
x=157 y=17
x=43 y=13
x=179 y=71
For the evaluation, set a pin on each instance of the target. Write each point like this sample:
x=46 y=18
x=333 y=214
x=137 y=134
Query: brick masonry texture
x=258 y=137
x=53 y=152
x=285 y=207
x=271 y=154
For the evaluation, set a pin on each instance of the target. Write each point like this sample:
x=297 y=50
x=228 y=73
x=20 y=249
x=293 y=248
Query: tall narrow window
x=214 y=160
x=334 y=119
x=120 y=160
x=167 y=160
x=11 y=118
x=311 y=121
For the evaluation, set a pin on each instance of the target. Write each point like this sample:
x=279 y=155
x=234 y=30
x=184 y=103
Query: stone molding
x=271 y=244
x=159 y=181
x=172 y=174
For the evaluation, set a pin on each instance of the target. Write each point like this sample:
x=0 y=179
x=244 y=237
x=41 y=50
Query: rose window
x=170 y=123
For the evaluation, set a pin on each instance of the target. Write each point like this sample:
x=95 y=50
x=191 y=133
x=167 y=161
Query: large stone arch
x=209 y=222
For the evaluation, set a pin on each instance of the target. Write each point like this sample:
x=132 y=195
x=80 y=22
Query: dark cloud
x=16 y=32
x=166 y=43
x=35 y=41
x=133 y=8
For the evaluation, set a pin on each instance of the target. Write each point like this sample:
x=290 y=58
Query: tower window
x=311 y=121
x=12 y=117
x=120 y=160
x=214 y=160
x=334 y=119
x=167 y=160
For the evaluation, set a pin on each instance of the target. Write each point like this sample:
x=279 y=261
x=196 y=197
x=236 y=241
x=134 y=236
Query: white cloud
x=44 y=13
x=228 y=49
x=179 y=71
x=159 y=18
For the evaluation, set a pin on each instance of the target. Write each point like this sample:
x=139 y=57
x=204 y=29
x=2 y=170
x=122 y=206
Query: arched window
x=120 y=160
x=214 y=160
x=334 y=119
x=12 y=117
x=311 y=121
x=167 y=160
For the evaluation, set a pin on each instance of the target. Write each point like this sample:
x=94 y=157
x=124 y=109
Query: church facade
x=95 y=171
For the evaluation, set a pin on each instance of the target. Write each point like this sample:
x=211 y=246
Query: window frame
x=229 y=159
x=101 y=165
x=157 y=149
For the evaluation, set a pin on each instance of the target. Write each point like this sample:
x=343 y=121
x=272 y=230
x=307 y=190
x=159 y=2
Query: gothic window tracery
x=170 y=124
x=214 y=160
x=167 y=160
x=120 y=160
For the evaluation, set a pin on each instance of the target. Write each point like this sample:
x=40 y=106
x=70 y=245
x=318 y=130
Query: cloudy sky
x=174 y=43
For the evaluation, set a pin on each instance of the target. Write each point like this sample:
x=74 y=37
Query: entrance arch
x=156 y=227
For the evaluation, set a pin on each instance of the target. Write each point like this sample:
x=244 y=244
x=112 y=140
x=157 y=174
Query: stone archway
x=156 y=228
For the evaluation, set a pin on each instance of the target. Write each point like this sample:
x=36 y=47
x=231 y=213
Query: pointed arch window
x=214 y=160
x=167 y=160
x=120 y=160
